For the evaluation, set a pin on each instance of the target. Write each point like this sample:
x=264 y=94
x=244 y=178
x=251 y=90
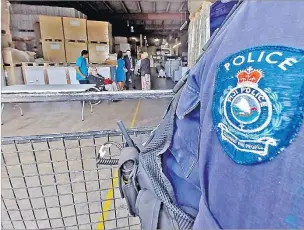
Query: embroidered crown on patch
x=249 y=76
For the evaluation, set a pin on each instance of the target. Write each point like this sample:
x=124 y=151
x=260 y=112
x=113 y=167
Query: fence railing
x=18 y=97
x=53 y=182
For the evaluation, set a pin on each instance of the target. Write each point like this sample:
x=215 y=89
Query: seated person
x=106 y=84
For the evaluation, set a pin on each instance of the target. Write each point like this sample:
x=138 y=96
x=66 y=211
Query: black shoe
x=134 y=87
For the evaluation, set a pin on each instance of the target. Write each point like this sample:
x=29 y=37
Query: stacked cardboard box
x=25 y=19
x=99 y=40
x=52 y=38
x=121 y=44
x=75 y=35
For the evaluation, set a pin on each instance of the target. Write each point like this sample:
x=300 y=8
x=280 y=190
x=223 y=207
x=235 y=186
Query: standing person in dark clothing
x=82 y=68
x=145 y=72
x=130 y=66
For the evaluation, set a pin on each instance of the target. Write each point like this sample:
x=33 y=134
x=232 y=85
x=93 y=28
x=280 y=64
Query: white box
x=72 y=75
x=34 y=75
x=57 y=75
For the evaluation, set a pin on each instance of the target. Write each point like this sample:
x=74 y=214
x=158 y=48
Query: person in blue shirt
x=82 y=68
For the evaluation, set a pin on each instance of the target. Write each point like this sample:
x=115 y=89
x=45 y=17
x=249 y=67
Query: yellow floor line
x=106 y=207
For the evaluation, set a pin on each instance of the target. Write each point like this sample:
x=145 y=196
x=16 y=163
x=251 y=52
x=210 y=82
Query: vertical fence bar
x=98 y=177
x=40 y=182
x=25 y=183
x=70 y=180
x=55 y=180
x=13 y=191
x=85 y=184
x=9 y=216
x=113 y=186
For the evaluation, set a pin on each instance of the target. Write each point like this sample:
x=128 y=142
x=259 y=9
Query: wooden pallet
x=51 y=40
x=79 y=41
x=26 y=30
x=4 y=32
x=13 y=64
x=32 y=64
x=55 y=64
x=46 y=64
x=98 y=42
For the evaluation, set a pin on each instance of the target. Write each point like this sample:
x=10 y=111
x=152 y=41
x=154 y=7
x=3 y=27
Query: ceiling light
x=132 y=29
x=156 y=40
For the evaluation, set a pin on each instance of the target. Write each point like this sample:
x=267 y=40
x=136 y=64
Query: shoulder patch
x=258 y=102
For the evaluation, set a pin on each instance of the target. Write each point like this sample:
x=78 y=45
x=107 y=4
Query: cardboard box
x=122 y=47
x=98 y=31
x=73 y=50
x=14 y=75
x=120 y=40
x=75 y=29
x=51 y=27
x=53 y=51
x=98 y=53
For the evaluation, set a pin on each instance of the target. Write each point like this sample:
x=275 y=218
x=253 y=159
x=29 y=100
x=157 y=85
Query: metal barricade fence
x=53 y=182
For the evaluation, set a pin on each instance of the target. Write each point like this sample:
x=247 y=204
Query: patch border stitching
x=299 y=113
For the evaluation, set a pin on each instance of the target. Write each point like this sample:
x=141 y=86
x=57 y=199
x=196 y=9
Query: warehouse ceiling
x=155 y=17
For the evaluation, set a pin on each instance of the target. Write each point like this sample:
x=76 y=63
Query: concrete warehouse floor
x=59 y=117
x=57 y=185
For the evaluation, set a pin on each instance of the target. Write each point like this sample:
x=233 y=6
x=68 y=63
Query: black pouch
x=127 y=173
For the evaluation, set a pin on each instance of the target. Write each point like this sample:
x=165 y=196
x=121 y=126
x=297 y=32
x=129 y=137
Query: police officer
x=236 y=158
x=229 y=150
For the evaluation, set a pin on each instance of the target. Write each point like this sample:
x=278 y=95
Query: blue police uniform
x=236 y=158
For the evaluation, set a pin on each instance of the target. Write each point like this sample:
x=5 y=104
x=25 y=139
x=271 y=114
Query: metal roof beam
x=168 y=6
x=152 y=16
x=124 y=6
x=108 y=6
x=182 y=6
x=162 y=27
x=154 y=7
x=139 y=6
x=92 y=7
